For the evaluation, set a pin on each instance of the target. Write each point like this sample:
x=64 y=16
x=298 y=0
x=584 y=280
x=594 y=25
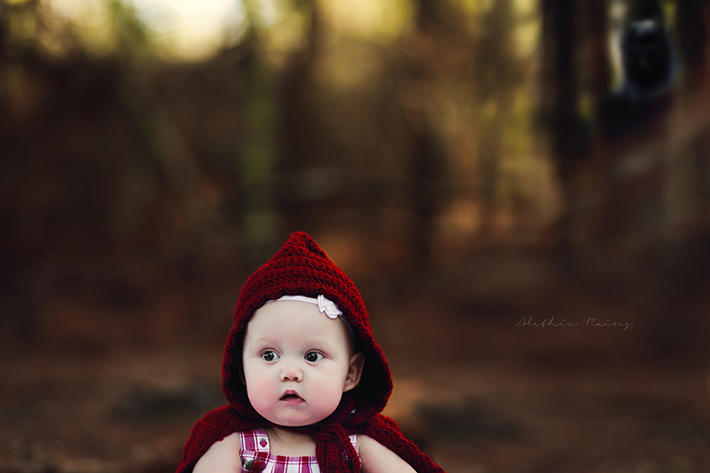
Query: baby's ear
x=357 y=361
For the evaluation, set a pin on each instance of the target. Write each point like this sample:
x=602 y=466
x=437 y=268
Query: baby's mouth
x=291 y=396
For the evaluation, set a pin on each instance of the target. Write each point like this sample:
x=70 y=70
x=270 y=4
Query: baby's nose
x=291 y=373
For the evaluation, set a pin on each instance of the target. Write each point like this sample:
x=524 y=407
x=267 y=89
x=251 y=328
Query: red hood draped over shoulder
x=302 y=268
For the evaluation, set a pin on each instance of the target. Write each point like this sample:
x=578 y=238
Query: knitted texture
x=302 y=268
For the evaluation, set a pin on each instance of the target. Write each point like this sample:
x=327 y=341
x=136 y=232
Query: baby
x=304 y=378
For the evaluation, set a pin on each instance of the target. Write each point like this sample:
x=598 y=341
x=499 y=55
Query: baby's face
x=297 y=363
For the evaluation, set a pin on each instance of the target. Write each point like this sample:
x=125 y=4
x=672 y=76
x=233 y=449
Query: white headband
x=325 y=306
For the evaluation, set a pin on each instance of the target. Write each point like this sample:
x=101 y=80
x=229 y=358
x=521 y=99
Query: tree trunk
x=560 y=98
x=691 y=26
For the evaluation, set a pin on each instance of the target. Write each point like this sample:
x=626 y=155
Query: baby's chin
x=296 y=422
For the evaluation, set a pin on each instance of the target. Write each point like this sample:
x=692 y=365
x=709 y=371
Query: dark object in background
x=648 y=67
x=647 y=58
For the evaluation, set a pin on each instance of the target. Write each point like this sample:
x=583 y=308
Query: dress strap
x=254 y=440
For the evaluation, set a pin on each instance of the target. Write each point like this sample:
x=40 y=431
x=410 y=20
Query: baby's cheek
x=330 y=393
x=257 y=390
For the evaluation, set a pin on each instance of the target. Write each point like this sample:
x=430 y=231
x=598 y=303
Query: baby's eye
x=313 y=356
x=269 y=355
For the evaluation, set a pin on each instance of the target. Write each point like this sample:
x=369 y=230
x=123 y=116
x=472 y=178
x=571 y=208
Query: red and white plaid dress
x=256 y=455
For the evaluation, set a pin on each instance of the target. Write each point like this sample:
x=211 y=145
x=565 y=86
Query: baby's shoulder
x=222 y=456
x=376 y=458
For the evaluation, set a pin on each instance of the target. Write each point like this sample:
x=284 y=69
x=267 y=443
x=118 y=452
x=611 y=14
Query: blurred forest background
x=469 y=163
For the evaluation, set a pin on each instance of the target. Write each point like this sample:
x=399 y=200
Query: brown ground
x=115 y=363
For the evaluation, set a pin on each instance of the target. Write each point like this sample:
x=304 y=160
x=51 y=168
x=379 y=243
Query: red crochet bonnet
x=301 y=268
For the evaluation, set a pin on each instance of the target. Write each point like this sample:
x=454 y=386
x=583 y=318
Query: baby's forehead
x=278 y=317
x=292 y=309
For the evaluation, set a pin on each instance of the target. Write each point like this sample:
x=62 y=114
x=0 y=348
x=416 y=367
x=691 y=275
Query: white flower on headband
x=328 y=307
